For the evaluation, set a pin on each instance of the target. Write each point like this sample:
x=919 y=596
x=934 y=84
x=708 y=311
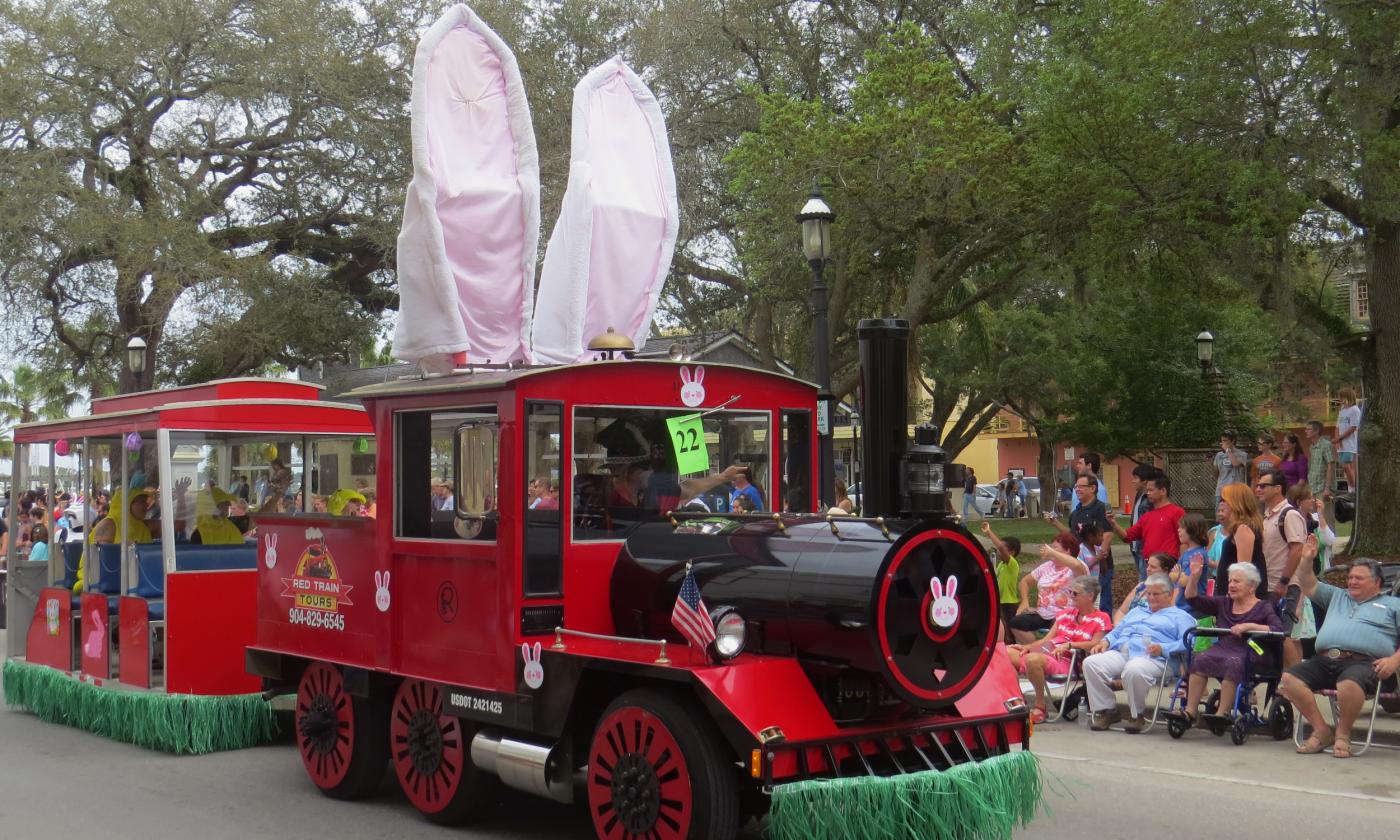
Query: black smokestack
x=884 y=362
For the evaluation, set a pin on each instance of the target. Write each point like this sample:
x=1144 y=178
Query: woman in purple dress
x=1240 y=612
x=1295 y=460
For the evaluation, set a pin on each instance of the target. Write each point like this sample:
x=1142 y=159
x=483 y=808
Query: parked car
x=986 y=500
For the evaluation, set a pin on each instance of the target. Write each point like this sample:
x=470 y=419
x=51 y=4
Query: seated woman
x=1160 y=563
x=1079 y=627
x=1052 y=579
x=212 y=525
x=1240 y=612
x=115 y=528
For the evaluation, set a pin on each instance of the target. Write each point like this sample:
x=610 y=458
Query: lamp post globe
x=815 y=219
x=136 y=357
x=1205 y=349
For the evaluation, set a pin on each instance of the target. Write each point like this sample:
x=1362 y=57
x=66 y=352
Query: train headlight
x=730 y=630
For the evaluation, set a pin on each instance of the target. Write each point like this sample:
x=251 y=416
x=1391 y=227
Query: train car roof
x=228 y=405
x=481 y=379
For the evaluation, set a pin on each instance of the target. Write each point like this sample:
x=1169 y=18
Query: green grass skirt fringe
x=173 y=723
x=981 y=800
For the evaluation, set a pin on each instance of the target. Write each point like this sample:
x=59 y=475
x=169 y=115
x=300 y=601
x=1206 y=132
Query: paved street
x=59 y=782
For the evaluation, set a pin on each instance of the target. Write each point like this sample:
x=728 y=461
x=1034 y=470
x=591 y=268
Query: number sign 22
x=688 y=443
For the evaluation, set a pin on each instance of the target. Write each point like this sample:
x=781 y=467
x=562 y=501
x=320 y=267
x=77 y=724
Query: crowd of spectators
x=1255 y=572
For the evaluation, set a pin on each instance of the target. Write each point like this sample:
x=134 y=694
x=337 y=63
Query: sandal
x=1341 y=748
x=1038 y=714
x=1313 y=745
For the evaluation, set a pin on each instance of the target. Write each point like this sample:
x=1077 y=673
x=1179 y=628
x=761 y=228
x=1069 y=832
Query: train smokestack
x=884 y=380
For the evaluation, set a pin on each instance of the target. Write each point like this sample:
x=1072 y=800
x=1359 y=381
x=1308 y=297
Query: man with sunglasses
x=1285 y=529
x=1358 y=646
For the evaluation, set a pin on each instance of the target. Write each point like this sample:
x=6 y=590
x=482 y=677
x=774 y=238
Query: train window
x=797 y=462
x=544 y=549
x=445 y=475
x=625 y=468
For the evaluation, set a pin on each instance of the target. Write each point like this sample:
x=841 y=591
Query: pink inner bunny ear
x=952 y=586
x=537 y=651
x=525 y=650
x=935 y=587
x=699 y=374
x=685 y=375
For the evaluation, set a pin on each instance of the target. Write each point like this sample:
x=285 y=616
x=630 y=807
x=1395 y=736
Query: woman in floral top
x=1052 y=578
x=1078 y=627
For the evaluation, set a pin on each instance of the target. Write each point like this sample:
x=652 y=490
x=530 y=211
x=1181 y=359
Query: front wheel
x=1176 y=726
x=656 y=769
x=431 y=756
x=1280 y=718
x=341 y=738
x=1239 y=731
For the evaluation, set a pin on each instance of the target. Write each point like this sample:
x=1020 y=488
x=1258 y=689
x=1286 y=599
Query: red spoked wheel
x=655 y=770
x=340 y=737
x=430 y=753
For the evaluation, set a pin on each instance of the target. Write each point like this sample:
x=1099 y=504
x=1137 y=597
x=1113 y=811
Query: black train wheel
x=431 y=756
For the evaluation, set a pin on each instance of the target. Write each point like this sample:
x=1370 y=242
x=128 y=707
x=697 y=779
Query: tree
x=220 y=175
x=28 y=395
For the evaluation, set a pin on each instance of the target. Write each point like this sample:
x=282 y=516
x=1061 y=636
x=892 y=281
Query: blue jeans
x=967 y=500
x=1139 y=560
x=1106 y=586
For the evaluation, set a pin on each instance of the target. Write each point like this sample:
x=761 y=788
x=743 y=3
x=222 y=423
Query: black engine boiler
x=914 y=607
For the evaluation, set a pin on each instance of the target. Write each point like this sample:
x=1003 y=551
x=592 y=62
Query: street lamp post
x=816 y=218
x=136 y=358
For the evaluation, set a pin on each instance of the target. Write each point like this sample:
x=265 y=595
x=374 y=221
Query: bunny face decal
x=381 y=591
x=693 y=390
x=270 y=550
x=534 y=671
x=944 y=610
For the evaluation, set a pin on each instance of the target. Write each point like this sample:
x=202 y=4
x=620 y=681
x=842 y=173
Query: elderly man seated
x=1358 y=645
x=1136 y=652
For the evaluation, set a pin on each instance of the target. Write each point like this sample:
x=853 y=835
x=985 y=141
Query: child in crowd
x=1160 y=563
x=1191 y=575
x=39 y=538
x=1008 y=575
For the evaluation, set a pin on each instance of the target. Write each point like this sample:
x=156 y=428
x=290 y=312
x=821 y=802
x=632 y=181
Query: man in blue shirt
x=1358 y=645
x=1136 y=651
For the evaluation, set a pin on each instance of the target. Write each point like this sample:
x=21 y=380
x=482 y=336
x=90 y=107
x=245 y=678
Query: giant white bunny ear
x=935 y=588
x=612 y=245
x=952 y=586
x=466 y=253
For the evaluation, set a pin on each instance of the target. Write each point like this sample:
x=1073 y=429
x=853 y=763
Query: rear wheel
x=341 y=738
x=430 y=753
x=1176 y=726
x=655 y=769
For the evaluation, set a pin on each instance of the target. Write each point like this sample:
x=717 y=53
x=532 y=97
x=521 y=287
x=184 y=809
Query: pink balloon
x=61 y=447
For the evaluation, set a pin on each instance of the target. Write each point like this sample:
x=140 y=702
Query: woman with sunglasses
x=1078 y=627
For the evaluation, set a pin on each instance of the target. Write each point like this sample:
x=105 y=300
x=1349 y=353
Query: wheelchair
x=1240 y=715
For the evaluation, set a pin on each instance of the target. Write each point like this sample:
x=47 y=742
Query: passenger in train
x=211 y=517
x=110 y=528
x=345 y=502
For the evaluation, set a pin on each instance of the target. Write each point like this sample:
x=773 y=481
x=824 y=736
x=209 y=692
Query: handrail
x=661 y=658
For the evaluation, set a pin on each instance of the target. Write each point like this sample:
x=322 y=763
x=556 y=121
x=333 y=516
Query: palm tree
x=28 y=395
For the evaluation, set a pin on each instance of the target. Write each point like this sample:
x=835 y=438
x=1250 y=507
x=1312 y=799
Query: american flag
x=690 y=616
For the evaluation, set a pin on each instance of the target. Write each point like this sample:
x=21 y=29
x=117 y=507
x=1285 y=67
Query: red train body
x=523 y=631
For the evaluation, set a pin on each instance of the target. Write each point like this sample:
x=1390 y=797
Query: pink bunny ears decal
x=693 y=390
x=944 y=609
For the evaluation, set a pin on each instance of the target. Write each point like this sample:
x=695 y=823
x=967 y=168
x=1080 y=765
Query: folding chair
x=1387 y=692
x=1171 y=674
x=1071 y=685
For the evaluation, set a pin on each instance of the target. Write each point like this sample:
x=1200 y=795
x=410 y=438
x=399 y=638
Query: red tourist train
x=508 y=616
